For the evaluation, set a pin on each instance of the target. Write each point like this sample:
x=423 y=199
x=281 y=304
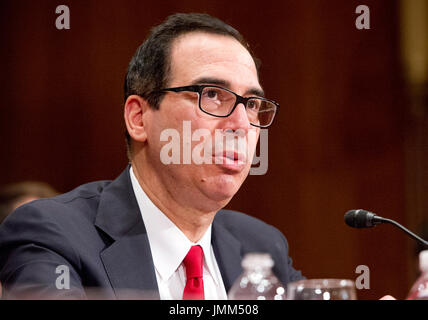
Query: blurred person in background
x=16 y=194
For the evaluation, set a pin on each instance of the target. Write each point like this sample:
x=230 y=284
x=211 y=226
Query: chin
x=222 y=197
x=222 y=189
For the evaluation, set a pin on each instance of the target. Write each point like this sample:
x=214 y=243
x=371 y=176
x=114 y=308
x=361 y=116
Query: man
x=158 y=229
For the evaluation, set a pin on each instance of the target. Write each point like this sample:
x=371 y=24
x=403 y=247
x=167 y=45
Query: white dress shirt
x=169 y=246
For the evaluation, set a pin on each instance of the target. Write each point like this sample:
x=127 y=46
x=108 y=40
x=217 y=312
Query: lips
x=230 y=160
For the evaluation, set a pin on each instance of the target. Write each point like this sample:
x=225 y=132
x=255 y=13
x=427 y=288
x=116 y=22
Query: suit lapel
x=227 y=250
x=128 y=260
x=129 y=265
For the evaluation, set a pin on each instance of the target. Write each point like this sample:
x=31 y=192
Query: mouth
x=230 y=160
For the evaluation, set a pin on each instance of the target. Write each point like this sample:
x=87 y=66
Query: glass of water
x=322 y=289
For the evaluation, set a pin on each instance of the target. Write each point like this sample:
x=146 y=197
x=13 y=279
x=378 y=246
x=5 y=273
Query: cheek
x=158 y=135
x=161 y=122
x=252 y=138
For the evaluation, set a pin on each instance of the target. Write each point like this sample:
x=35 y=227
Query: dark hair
x=148 y=69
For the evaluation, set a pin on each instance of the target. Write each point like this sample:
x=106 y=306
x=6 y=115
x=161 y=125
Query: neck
x=193 y=222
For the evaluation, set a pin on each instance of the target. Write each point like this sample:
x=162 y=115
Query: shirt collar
x=168 y=244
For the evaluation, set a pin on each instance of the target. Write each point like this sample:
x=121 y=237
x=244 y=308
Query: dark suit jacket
x=97 y=232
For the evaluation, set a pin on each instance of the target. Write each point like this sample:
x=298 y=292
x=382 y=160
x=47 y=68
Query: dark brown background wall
x=337 y=144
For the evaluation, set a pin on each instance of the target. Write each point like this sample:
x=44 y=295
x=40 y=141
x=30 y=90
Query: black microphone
x=365 y=219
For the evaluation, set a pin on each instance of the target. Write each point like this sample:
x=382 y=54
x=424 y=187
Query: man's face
x=204 y=58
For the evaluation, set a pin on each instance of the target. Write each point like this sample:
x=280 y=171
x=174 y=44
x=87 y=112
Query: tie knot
x=194 y=262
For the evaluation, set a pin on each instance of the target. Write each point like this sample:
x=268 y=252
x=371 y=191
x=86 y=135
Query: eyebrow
x=224 y=83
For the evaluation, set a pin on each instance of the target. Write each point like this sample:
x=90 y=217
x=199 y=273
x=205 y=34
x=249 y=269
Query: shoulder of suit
x=253 y=234
x=84 y=191
x=64 y=206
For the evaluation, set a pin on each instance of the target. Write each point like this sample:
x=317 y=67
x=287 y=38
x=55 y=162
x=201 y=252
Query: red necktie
x=193 y=262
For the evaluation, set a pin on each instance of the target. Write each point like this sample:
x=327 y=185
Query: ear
x=135 y=107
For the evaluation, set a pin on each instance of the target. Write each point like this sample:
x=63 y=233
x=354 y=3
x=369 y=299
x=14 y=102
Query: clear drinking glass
x=322 y=289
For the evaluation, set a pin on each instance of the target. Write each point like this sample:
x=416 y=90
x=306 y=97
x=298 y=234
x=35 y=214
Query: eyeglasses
x=221 y=102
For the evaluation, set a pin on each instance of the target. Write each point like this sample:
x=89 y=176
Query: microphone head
x=360 y=218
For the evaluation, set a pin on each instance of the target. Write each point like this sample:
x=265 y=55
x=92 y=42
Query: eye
x=211 y=93
x=253 y=105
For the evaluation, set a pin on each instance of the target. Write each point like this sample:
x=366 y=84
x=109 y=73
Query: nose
x=238 y=119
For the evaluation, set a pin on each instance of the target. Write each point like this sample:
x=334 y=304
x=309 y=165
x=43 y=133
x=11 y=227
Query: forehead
x=198 y=55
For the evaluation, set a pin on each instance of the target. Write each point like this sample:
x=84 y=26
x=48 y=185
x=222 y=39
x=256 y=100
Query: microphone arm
x=414 y=236
x=361 y=218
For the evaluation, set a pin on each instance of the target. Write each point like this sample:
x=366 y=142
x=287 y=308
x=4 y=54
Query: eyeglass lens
x=220 y=102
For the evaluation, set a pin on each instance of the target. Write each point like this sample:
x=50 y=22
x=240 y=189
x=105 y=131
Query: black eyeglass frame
x=239 y=99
